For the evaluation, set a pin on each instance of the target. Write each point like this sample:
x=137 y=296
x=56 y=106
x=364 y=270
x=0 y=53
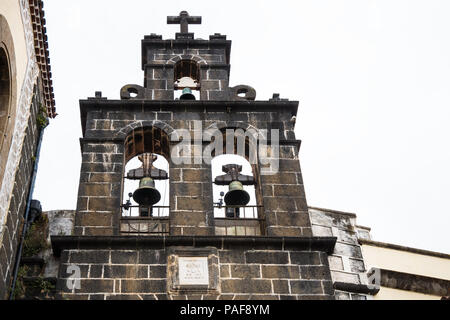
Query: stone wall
x=253 y=268
x=14 y=221
x=160 y=56
x=348 y=270
x=106 y=124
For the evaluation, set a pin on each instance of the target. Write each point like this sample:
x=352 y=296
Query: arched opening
x=216 y=167
x=236 y=189
x=161 y=208
x=187 y=76
x=5 y=94
x=146 y=177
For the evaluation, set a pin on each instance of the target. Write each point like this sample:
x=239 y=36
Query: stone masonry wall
x=346 y=262
x=19 y=197
x=106 y=127
x=160 y=57
x=245 y=273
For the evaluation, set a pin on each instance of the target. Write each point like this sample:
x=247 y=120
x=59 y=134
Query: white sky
x=372 y=78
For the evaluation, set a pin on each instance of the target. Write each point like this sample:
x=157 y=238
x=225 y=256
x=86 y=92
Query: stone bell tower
x=133 y=246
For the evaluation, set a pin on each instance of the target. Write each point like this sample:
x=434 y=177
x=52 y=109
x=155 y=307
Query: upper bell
x=146 y=195
x=187 y=94
x=236 y=195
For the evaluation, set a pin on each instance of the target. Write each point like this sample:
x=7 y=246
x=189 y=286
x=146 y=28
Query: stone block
x=89 y=256
x=245 y=271
x=264 y=257
x=315 y=272
x=348 y=250
x=96 y=219
x=103 y=204
x=143 y=286
x=289 y=191
x=306 y=287
x=193 y=204
x=187 y=189
x=152 y=257
x=105 y=177
x=231 y=256
x=123 y=257
x=188 y=218
x=278 y=231
x=121 y=271
x=293 y=219
x=95 y=270
x=98 y=231
x=336 y=263
x=280 y=272
x=357 y=265
x=280 y=286
x=225 y=271
x=282 y=178
x=338 y=276
x=246 y=286
x=320 y=231
x=96 y=286
x=95 y=189
x=305 y=258
x=158 y=272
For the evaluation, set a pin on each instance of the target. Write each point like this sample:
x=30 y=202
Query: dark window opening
x=5 y=93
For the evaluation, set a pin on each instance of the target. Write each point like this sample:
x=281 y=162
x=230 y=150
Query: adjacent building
x=26 y=103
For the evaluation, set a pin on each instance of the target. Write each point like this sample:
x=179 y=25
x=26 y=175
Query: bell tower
x=254 y=239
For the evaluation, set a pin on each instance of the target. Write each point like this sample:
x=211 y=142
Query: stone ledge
x=356 y=288
x=59 y=243
x=411 y=282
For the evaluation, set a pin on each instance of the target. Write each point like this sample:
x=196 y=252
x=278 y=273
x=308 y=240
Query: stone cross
x=184 y=20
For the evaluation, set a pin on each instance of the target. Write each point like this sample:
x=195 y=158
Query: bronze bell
x=236 y=195
x=187 y=94
x=146 y=195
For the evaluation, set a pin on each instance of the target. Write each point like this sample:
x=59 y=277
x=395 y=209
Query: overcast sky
x=372 y=79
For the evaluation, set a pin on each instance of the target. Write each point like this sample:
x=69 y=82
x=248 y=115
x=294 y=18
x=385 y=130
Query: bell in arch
x=187 y=94
x=236 y=195
x=146 y=195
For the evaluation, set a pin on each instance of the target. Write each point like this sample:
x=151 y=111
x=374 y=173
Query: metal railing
x=238 y=221
x=148 y=221
x=140 y=211
x=229 y=221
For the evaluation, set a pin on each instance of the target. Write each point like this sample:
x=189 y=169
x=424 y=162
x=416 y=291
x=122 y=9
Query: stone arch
x=8 y=92
x=193 y=57
x=147 y=139
x=223 y=125
x=124 y=132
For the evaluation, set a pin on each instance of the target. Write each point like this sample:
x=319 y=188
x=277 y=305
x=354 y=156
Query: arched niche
x=146 y=140
x=8 y=92
x=187 y=75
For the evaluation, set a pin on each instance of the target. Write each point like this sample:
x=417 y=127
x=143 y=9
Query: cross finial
x=184 y=19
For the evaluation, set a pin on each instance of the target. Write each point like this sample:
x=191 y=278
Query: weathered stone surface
x=306 y=287
x=143 y=286
x=305 y=258
x=245 y=271
x=89 y=256
x=123 y=257
x=267 y=257
x=246 y=286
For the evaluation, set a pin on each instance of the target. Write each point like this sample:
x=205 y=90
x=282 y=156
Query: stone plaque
x=193 y=271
